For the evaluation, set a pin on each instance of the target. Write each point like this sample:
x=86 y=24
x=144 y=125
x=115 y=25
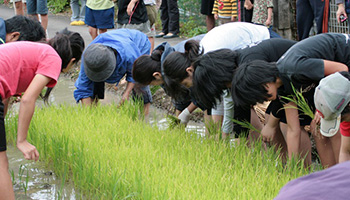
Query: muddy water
x=42 y=182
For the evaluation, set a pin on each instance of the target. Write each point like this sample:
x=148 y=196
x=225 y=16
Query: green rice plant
x=109 y=154
x=174 y=122
x=300 y=101
x=245 y=124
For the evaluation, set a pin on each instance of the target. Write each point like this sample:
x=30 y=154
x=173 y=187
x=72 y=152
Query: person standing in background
x=225 y=11
x=99 y=16
x=170 y=16
x=206 y=9
x=20 y=6
x=78 y=12
x=36 y=8
x=263 y=15
x=248 y=10
x=152 y=13
x=307 y=12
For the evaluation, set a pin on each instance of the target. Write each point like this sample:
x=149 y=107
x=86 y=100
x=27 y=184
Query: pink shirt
x=21 y=61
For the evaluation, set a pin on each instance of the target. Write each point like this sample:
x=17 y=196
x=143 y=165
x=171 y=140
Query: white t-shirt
x=234 y=35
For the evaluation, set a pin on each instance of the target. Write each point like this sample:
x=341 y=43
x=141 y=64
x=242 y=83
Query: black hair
x=76 y=43
x=68 y=45
x=144 y=67
x=174 y=68
x=29 y=29
x=212 y=72
x=248 y=83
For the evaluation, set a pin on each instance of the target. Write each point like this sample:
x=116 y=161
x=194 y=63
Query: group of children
x=230 y=71
x=224 y=72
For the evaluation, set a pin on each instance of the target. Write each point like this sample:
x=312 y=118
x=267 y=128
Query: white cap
x=331 y=97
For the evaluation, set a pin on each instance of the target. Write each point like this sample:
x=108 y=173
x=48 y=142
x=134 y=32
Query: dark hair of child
x=213 y=73
x=144 y=67
x=248 y=83
x=174 y=68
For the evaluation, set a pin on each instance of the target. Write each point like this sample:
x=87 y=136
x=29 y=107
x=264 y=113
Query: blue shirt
x=2 y=31
x=129 y=44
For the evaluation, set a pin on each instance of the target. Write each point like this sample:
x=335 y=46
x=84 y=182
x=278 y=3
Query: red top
x=21 y=61
x=345 y=129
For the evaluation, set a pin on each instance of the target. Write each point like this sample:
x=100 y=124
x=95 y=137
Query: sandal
x=161 y=34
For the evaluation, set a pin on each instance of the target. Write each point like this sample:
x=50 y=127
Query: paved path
x=59 y=22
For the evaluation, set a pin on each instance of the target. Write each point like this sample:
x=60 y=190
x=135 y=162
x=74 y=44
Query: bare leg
x=6 y=189
x=336 y=141
x=44 y=20
x=93 y=32
x=19 y=8
x=324 y=149
x=210 y=21
x=102 y=30
x=151 y=39
x=146 y=110
x=305 y=144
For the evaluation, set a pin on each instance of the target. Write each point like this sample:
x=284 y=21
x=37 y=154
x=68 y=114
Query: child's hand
x=216 y=16
x=233 y=18
x=268 y=22
x=29 y=151
x=268 y=133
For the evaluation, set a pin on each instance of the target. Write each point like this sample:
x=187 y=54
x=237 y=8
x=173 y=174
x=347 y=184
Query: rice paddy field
x=109 y=153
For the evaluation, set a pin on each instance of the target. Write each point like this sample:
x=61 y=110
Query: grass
x=108 y=153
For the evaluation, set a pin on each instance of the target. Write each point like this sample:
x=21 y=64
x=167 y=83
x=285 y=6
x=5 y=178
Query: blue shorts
x=101 y=19
x=37 y=7
x=143 y=93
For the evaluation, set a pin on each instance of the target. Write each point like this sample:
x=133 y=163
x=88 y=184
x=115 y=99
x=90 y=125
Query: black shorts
x=207 y=7
x=2 y=128
x=241 y=114
x=277 y=110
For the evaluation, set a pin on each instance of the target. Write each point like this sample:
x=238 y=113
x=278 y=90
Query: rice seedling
x=108 y=153
x=300 y=101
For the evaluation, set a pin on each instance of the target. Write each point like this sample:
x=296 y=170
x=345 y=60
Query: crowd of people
x=224 y=72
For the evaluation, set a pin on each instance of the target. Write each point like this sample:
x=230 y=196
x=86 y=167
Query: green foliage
x=300 y=101
x=192 y=28
x=109 y=154
x=57 y=6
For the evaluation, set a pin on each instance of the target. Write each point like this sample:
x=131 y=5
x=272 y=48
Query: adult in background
x=309 y=10
x=78 y=12
x=206 y=9
x=36 y=8
x=170 y=16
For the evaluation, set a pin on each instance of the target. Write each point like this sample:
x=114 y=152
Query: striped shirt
x=225 y=8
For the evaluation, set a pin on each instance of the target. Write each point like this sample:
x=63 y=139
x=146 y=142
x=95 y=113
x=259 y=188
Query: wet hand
x=268 y=134
x=29 y=151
